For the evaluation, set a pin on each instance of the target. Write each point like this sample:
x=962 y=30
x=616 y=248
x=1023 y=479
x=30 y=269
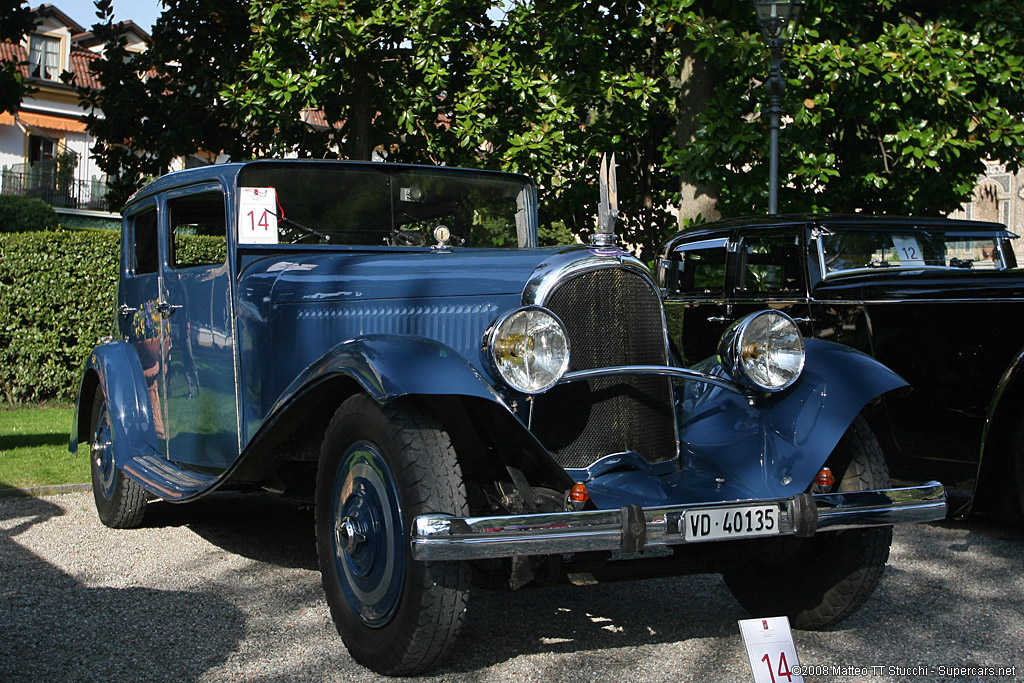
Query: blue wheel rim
x=103 y=454
x=368 y=537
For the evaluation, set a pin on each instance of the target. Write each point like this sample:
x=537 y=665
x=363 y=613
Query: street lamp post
x=778 y=20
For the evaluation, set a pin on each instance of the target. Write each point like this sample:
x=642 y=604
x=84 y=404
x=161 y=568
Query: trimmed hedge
x=58 y=290
x=24 y=214
x=57 y=295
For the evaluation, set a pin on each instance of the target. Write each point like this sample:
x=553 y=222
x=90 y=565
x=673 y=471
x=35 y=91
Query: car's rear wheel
x=820 y=581
x=380 y=467
x=120 y=501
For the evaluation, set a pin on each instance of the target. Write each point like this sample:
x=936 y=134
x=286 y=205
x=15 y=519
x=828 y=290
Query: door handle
x=167 y=308
x=719 y=319
x=125 y=309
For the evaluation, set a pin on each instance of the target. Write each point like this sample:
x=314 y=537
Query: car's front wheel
x=120 y=501
x=820 y=581
x=380 y=467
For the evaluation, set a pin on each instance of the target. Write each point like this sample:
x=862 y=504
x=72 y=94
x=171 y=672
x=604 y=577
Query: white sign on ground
x=770 y=650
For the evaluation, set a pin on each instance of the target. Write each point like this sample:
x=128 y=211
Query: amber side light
x=578 y=493
x=825 y=477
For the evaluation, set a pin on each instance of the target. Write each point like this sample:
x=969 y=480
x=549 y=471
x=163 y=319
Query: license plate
x=730 y=522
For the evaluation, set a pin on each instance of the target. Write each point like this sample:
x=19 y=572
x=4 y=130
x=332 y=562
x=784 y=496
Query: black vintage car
x=939 y=301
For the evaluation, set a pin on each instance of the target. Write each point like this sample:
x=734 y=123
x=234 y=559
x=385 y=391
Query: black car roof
x=720 y=227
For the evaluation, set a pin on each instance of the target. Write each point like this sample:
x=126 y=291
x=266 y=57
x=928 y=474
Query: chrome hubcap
x=350 y=537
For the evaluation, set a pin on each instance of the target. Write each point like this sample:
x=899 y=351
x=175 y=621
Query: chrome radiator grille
x=613 y=317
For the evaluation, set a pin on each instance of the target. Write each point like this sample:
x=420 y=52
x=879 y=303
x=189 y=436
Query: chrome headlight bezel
x=763 y=351
x=514 y=358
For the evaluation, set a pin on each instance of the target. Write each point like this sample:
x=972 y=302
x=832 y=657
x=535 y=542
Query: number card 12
x=257 y=215
x=770 y=650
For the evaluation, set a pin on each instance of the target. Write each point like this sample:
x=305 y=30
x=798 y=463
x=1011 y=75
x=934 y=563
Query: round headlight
x=764 y=351
x=529 y=349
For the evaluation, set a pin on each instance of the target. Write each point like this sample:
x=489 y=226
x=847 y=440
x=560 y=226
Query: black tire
x=380 y=467
x=120 y=501
x=818 y=582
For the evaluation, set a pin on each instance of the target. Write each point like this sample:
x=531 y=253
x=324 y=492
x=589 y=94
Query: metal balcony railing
x=44 y=181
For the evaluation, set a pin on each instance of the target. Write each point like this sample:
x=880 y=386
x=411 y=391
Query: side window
x=145 y=243
x=197 y=230
x=702 y=268
x=771 y=263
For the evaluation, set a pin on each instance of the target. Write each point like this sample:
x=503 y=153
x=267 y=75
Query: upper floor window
x=44 y=57
x=40 y=149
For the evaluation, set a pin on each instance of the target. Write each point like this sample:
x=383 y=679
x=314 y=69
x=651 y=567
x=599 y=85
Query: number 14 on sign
x=770 y=650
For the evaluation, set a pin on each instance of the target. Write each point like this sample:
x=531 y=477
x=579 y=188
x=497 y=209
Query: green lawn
x=34 y=449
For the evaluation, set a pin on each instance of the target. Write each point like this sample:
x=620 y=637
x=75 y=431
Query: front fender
x=387 y=367
x=775 y=447
x=116 y=369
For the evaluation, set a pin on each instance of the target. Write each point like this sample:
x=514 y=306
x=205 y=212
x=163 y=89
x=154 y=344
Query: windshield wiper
x=302 y=228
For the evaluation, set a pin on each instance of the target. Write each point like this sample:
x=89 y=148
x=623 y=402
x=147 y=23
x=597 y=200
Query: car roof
x=834 y=221
x=227 y=172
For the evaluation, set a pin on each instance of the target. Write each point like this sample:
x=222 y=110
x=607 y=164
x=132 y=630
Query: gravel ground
x=227 y=589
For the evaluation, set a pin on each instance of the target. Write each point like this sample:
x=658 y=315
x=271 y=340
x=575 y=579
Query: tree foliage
x=165 y=103
x=16 y=22
x=891 y=104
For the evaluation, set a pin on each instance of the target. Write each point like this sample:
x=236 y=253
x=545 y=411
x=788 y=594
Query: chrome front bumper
x=443 y=537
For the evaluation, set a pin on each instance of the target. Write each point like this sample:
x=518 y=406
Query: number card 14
x=257 y=215
x=770 y=650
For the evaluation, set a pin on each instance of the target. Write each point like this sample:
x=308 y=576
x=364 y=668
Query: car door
x=770 y=271
x=139 y=319
x=696 y=307
x=200 y=405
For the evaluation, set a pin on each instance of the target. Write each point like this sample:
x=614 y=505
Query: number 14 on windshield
x=257 y=215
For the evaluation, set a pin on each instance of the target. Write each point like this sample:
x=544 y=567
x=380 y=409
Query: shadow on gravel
x=952 y=597
x=55 y=628
x=256 y=526
x=620 y=618
x=499 y=626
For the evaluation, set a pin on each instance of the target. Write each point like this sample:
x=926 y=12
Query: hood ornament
x=608 y=208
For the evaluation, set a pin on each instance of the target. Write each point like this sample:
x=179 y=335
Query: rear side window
x=198 y=230
x=144 y=243
x=701 y=267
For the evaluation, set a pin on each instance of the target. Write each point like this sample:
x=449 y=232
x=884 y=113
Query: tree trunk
x=696 y=200
x=360 y=133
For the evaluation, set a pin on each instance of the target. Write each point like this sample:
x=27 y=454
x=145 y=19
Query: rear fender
x=116 y=369
x=998 y=458
x=775 y=447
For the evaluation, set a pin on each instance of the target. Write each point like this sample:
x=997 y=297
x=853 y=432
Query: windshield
x=862 y=250
x=378 y=204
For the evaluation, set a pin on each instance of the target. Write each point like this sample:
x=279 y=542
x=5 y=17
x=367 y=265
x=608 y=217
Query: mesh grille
x=613 y=317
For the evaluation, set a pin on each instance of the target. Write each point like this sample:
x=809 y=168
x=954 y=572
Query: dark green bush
x=58 y=291
x=24 y=214
x=57 y=297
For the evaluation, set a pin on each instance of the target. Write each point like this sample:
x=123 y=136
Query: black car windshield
x=865 y=250
x=381 y=204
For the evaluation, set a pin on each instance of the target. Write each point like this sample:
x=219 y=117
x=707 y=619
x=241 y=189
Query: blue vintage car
x=391 y=345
